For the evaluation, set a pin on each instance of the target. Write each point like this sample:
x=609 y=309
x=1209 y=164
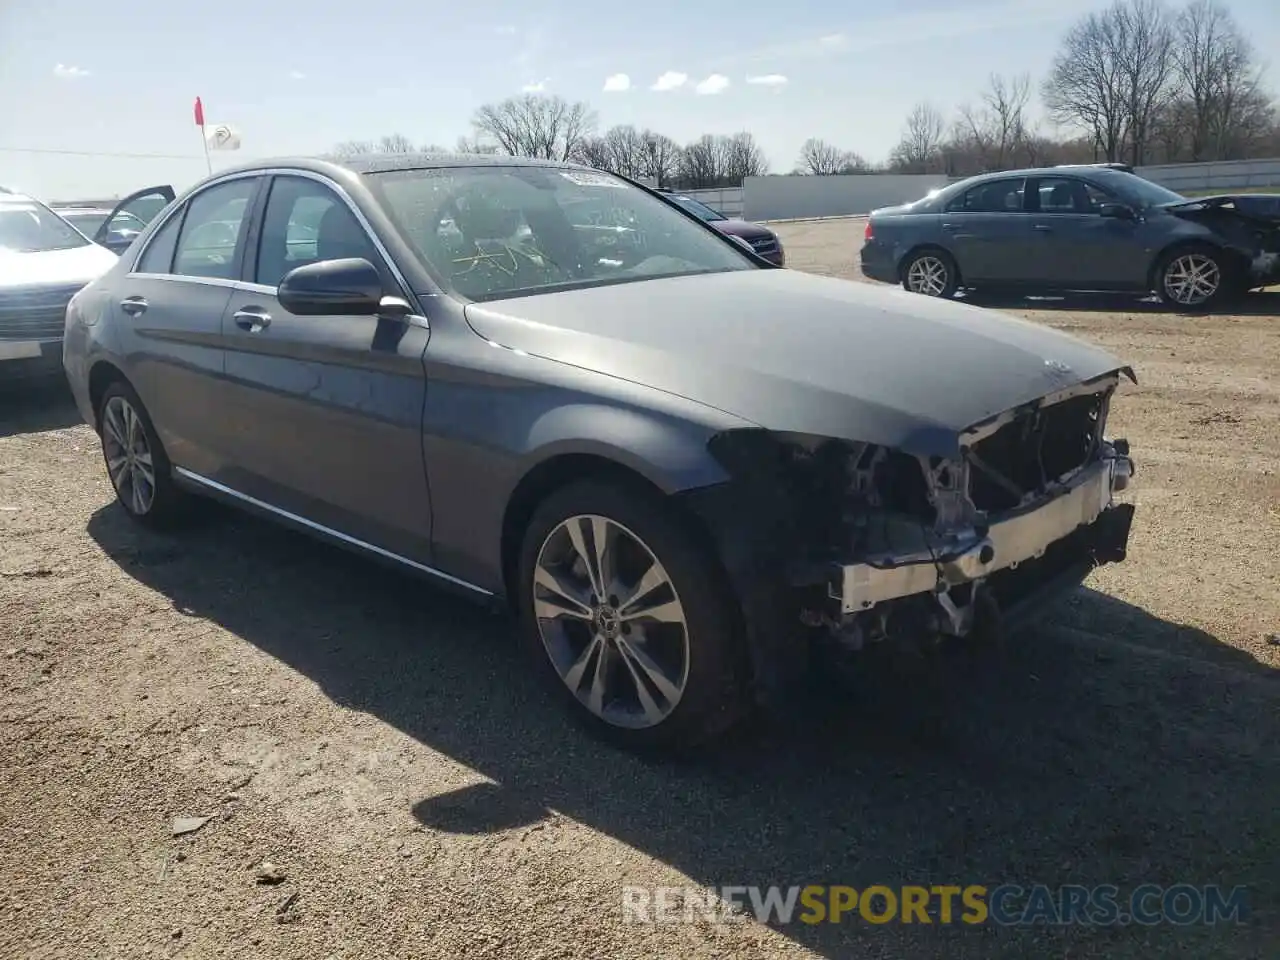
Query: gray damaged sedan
x=683 y=468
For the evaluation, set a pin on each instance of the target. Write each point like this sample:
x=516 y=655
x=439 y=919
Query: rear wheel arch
x=101 y=375
x=920 y=248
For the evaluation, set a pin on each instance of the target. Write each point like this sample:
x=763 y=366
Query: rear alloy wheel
x=136 y=462
x=1191 y=278
x=931 y=273
x=631 y=618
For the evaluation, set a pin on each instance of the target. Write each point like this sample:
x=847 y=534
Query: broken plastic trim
x=974 y=554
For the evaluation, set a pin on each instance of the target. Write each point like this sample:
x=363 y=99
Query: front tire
x=1192 y=278
x=629 y=618
x=137 y=466
x=931 y=273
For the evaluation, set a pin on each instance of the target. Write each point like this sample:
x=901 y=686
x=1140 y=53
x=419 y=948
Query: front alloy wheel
x=629 y=616
x=1191 y=279
x=128 y=454
x=611 y=621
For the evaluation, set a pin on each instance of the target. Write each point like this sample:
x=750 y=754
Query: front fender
x=670 y=453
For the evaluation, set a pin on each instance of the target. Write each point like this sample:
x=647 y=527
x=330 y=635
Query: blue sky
x=297 y=77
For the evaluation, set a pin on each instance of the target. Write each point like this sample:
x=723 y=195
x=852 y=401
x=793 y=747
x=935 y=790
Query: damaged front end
x=1249 y=223
x=879 y=544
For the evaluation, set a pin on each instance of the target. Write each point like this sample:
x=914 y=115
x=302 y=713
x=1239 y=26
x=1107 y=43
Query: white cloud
x=716 y=83
x=833 y=41
x=297 y=75
x=505 y=30
x=64 y=72
x=536 y=86
x=616 y=83
x=768 y=80
x=671 y=80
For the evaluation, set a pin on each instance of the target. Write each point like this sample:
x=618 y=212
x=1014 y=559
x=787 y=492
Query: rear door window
x=996 y=196
x=212 y=230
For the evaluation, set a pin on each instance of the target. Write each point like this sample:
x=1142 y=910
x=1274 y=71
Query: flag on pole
x=199 y=113
x=221 y=136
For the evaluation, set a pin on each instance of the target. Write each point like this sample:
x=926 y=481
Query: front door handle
x=134 y=306
x=1044 y=228
x=253 y=319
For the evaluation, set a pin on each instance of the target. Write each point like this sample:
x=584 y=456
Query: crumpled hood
x=792 y=351
x=77 y=265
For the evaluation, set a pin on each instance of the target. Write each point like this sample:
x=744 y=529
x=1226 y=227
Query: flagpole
x=208 y=162
x=199 y=117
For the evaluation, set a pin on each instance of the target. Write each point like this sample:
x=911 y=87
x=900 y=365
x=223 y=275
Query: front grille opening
x=1033 y=450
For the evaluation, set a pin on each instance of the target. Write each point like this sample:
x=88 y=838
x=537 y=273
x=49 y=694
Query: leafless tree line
x=1138 y=81
x=552 y=128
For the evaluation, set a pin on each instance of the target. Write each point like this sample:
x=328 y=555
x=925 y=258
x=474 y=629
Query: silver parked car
x=681 y=466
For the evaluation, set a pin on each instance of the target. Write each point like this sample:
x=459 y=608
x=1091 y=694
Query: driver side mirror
x=1117 y=211
x=348 y=287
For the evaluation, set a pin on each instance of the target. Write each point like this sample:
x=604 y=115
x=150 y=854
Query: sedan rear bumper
x=878 y=262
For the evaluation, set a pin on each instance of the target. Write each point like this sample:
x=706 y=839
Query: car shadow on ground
x=36 y=406
x=1257 y=304
x=1067 y=757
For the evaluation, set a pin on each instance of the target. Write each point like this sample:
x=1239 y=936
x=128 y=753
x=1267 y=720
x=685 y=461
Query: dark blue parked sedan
x=1076 y=228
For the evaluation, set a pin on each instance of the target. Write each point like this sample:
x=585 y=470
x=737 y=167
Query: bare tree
x=593 y=152
x=628 y=151
x=476 y=145
x=1114 y=76
x=391 y=143
x=919 y=150
x=743 y=158
x=662 y=157
x=820 y=158
x=703 y=162
x=535 y=125
x=1219 y=79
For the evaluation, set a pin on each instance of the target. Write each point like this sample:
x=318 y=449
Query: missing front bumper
x=973 y=556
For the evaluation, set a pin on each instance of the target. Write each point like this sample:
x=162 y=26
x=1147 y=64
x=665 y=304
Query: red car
x=762 y=240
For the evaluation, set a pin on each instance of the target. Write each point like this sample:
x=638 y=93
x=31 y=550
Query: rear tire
x=641 y=645
x=931 y=272
x=137 y=465
x=1196 y=277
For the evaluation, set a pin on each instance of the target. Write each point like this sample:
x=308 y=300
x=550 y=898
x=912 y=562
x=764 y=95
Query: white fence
x=728 y=200
x=1225 y=175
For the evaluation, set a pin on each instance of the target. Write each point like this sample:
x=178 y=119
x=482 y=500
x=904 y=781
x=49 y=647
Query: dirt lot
x=383 y=746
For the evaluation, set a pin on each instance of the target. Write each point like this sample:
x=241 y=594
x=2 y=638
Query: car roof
x=1077 y=168
x=64 y=208
x=385 y=162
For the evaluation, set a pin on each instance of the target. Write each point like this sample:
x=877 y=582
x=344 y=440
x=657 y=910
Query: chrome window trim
x=329 y=182
x=327 y=531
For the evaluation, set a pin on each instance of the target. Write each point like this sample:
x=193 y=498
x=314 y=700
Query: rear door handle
x=1044 y=228
x=253 y=319
x=134 y=306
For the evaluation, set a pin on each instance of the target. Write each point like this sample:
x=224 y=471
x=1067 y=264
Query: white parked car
x=44 y=262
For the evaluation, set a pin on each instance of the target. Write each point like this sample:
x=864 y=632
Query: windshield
x=493 y=232
x=1143 y=192
x=698 y=209
x=31 y=227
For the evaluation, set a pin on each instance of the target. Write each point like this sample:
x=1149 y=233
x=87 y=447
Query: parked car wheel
x=1192 y=277
x=136 y=462
x=931 y=272
x=630 y=618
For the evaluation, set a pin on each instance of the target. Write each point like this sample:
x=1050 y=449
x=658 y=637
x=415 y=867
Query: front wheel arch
x=1234 y=266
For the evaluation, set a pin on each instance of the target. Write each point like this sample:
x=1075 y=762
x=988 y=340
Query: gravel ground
x=381 y=745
